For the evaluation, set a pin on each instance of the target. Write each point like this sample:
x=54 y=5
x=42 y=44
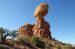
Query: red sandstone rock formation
x=41 y=27
x=26 y=30
x=41 y=10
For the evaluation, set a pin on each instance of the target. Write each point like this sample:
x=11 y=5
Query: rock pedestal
x=41 y=28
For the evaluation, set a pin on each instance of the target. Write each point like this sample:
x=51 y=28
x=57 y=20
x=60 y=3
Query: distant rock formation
x=41 y=28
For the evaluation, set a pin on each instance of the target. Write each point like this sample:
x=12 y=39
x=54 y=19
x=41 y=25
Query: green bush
x=24 y=40
x=1 y=47
x=37 y=41
x=4 y=47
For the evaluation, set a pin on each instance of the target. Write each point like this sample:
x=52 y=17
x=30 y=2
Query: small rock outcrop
x=26 y=30
x=41 y=28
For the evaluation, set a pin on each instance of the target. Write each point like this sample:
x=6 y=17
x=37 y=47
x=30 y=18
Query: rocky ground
x=42 y=43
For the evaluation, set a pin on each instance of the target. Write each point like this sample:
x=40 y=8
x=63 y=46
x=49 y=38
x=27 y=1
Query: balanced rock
x=41 y=10
x=41 y=28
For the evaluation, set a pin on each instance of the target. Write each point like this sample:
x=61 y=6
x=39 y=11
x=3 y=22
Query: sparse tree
x=3 y=34
x=13 y=34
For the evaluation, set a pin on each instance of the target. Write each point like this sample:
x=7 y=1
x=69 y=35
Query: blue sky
x=61 y=16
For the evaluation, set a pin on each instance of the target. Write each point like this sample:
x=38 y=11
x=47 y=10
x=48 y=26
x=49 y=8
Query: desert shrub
x=38 y=42
x=10 y=43
x=1 y=47
x=66 y=47
x=4 y=47
x=24 y=40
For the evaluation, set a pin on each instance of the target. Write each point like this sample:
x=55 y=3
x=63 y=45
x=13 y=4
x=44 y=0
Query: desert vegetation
x=25 y=42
